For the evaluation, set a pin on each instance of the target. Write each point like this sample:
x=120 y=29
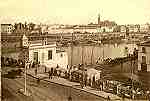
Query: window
x=49 y=54
x=36 y=57
x=143 y=50
x=61 y=55
x=144 y=59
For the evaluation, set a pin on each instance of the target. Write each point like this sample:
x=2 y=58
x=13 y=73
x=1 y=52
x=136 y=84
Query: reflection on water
x=83 y=54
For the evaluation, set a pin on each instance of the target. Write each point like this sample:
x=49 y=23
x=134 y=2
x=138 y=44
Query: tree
x=104 y=30
x=127 y=31
x=15 y=26
x=21 y=26
x=25 y=26
x=31 y=26
x=18 y=27
x=113 y=23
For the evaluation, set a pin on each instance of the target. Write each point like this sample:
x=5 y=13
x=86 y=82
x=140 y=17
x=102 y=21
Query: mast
x=82 y=51
x=92 y=55
x=72 y=49
x=132 y=68
x=103 y=51
x=56 y=36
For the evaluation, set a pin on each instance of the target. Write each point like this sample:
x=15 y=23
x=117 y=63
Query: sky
x=75 y=11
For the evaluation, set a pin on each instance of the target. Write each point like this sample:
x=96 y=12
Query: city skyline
x=75 y=11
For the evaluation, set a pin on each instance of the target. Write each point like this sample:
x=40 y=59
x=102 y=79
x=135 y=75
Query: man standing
x=93 y=83
x=89 y=81
x=45 y=69
x=85 y=79
x=38 y=81
x=108 y=98
x=49 y=73
x=81 y=83
x=52 y=71
x=35 y=71
x=70 y=98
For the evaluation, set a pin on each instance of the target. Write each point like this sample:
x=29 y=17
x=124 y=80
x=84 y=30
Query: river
x=83 y=54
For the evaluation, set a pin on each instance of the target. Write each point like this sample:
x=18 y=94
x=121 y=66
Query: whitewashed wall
x=42 y=54
x=62 y=61
x=43 y=57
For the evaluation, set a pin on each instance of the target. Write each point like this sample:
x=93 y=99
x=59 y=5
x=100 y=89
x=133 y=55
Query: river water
x=90 y=54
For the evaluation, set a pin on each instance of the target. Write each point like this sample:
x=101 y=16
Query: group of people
x=83 y=78
x=54 y=73
x=6 y=61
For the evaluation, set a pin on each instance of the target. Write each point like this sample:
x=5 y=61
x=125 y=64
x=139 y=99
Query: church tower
x=99 y=21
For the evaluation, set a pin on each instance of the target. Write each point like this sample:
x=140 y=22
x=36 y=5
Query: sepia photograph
x=75 y=50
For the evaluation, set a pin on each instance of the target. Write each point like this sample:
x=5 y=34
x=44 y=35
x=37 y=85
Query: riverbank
x=110 y=73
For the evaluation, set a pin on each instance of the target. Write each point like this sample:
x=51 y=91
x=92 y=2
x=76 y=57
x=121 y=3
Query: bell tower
x=99 y=19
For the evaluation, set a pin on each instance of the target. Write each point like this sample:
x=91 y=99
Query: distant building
x=144 y=57
x=144 y=28
x=123 y=28
x=136 y=28
x=131 y=28
x=19 y=28
x=117 y=28
x=44 y=29
x=6 y=28
x=109 y=29
x=100 y=26
x=103 y=29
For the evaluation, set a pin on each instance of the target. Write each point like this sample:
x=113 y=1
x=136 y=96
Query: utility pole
x=26 y=66
x=25 y=79
x=70 y=98
x=26 y=58
x=82 y=49
x=132 y=70
x=92 y=55
x=103 y=52
x=82 y=55
x=72 y=49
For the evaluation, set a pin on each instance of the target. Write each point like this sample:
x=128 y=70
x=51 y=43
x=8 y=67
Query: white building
x=144 y=56
x=47 y=54
x=6 y=28
x=109 y=29
x=102 y=29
